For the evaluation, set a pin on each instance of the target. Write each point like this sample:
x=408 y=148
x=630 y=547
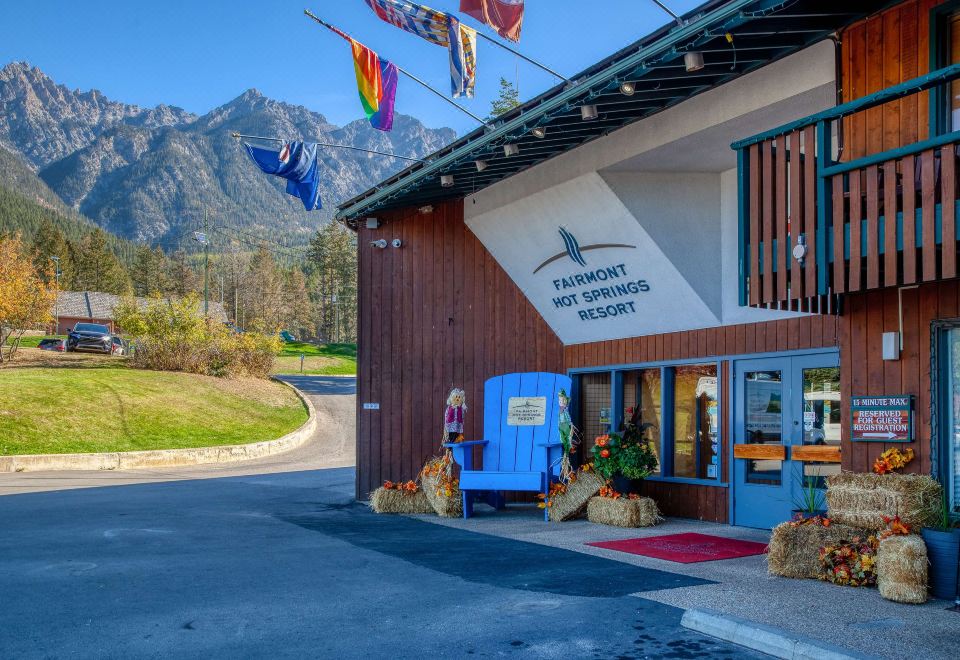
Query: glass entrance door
x=779 y=404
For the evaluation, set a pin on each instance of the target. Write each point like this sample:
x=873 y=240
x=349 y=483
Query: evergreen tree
x=97 y=268
x=149 y=271
x=333 y=274
x=181 y=277
x=49 y=242
x=507 y=99
x=297 y=313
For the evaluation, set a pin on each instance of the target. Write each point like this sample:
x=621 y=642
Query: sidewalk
x=856 y=619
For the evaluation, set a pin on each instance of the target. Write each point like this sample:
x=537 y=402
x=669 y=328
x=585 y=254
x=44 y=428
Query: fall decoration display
x=628 y=454
x=850 y=563
x=794 y=549
x=572 y=501
x=568 y=436
x=441 y=489
x=612 y=508
x=902 y=568
x=401 y=497
x=453 y=415
x=892 y=459
x=864 y=500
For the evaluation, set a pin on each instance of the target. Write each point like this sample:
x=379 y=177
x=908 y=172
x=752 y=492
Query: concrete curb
x=766 y=639
x=167 y=457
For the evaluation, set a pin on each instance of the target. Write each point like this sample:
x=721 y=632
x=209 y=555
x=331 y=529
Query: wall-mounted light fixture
x=426 y=209
x=511 y=150
x=693 y=61
x=446 y=180
x=373 y=223
x=380 y=243
x=480 y=164
x=396 y=243
x=588 y=112
x=539 y=132
x=628 y=88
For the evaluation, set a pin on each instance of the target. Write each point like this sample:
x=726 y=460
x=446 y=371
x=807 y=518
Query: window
x=642 y=398
x=696 y=451
x=821 y=417
x=949 y=420
x=676 y=407
x=594 y=406
x=945 y=36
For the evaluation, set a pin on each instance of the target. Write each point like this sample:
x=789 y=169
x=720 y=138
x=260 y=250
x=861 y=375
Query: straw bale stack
x=445 y=506
x=794 y=550
x=623 y=512
x=902 y=569
x=863 y=499
x=384 y=500
x=572 y=503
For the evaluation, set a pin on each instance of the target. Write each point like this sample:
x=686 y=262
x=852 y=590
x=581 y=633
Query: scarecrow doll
x=567 y=435
x=453 y=416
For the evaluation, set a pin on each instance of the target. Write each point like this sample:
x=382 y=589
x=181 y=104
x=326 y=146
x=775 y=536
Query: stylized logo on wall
x=575 y=252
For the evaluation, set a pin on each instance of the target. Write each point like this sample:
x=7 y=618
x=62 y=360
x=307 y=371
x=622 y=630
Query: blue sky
x=198 y=55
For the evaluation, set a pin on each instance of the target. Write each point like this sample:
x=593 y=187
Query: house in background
x=97 y=307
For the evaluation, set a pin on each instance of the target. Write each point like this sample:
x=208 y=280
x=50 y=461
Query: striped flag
x=504 y=16
x=376 y=83
x=438 y=28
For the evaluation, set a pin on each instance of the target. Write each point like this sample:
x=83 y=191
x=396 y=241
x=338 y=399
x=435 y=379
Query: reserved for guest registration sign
x=881 y=418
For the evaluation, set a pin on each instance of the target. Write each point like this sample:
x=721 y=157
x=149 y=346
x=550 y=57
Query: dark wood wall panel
x=880 y=51
x=863 y=371
x=437 y=313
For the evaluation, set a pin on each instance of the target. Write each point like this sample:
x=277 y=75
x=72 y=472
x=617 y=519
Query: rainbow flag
x=377 y=84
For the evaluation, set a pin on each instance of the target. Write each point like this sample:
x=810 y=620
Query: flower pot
x=625 y=485
x=943 y=551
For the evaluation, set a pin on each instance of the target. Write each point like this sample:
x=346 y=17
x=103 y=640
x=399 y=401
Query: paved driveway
x=286 y=564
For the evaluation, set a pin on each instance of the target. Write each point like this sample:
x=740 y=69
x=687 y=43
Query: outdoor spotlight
x=539 y=132
x=446 y=180
x=381 y=243
x=627 y=88
x=481 y=165
x=511 y=149
x=693 y=61
x=426 y=209
x=588 y=112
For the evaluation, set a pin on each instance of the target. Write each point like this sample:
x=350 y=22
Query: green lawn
x=319 y=359
x=34 y=340
x=52 y=410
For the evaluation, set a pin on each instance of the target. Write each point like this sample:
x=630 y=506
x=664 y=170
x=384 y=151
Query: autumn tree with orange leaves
x=25 y=300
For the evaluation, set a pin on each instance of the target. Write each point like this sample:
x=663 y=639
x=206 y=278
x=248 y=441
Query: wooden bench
x=521 y=445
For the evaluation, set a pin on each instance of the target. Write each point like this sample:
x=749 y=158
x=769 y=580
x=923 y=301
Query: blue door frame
x=759 y=498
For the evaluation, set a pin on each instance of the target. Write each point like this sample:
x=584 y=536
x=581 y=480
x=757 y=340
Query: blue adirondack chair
x=521 y=445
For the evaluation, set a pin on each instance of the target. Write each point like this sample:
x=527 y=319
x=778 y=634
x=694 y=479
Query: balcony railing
x=887 y=219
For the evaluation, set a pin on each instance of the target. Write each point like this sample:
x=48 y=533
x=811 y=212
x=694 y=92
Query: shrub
x=174 y=335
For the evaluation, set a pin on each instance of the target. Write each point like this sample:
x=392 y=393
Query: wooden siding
x=694 y=500
x=863 y=371
x=878 y=52
x=436 y=313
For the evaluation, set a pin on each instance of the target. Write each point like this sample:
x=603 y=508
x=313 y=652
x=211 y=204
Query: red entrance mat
x=686 y=548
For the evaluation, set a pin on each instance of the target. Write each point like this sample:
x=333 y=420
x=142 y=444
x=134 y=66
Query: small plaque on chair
x=527 y=411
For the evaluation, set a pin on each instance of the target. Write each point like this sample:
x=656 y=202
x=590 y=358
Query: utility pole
x=206 y=267
x=56 y=302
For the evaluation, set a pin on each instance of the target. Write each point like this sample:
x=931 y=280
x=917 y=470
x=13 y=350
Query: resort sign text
x=881 y=418
x=596 y=293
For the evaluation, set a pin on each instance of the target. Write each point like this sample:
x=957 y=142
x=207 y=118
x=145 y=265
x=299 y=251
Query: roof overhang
x=763 y=31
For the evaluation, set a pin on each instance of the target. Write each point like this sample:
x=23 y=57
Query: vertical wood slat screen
x=916 y=241
x=782 y=207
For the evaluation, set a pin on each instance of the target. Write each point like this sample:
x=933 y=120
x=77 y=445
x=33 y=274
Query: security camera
x=382 y=243
x=396 y=242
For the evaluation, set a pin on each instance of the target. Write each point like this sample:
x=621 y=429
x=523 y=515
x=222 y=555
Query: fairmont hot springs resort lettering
x=591 y=300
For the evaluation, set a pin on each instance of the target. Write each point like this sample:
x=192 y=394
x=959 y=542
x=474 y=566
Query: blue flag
x=297 y=163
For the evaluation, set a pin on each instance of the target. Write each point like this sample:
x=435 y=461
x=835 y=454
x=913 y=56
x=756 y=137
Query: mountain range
x=149 y=174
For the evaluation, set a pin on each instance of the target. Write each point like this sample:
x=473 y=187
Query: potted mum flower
x=624 y=459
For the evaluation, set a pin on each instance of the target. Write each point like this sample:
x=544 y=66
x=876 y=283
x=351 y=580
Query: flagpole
x=459 y=107
x=522 y=56
x=328 y=144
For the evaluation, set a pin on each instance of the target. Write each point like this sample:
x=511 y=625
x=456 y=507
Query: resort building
x=740 y=231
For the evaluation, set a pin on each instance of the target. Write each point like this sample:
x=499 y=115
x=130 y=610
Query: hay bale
x=902 y=569
x=863 y=499
x=623 y=512
x=383 y=500
x=794 y=550
x=444 y=506
x=573 y=502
